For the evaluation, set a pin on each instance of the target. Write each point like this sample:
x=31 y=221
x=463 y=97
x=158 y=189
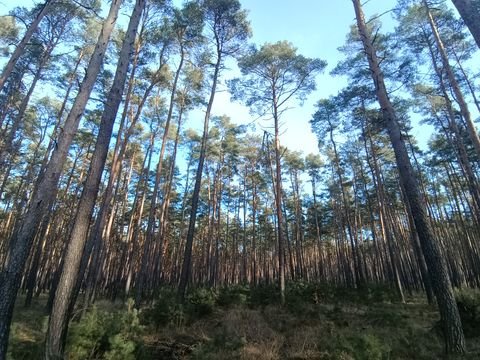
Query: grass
x=242 y=330
x=27 y=332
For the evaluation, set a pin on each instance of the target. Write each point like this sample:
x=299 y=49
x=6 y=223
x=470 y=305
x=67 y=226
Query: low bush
x=200 y=302
x=165 y=310
x=263 y=295
x=27 y=333
x=468 y=302
x=233 y=295
x=358 y=347
x=106 y=335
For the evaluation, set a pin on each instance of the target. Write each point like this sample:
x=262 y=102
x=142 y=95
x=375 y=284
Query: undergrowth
x=239 y=322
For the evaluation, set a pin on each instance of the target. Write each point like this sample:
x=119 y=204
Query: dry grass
x=319 y=331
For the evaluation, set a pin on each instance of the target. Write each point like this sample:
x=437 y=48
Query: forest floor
x=301 y=330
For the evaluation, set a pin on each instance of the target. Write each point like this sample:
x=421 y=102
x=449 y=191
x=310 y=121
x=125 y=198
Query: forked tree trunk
x=452 y=326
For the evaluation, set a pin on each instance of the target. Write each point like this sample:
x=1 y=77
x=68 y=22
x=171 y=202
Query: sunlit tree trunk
x=454 y=338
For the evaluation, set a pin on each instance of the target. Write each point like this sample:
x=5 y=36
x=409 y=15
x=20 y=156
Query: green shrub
x=233 y=295
x=385 y=316
x=263 y=295
x=221 y=346
x=27 y=334
x=200 y=303
x=301 y=290
x=377 y=293
x=165 y=310
x=358 y=347
x=106 y=335
x=369 y=347
x=468 y=302
x=24 y=346
x=299 y=298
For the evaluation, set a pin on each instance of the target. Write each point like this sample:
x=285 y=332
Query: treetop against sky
x=317 y=29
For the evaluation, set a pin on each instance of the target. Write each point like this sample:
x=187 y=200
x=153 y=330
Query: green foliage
x=263 y=295
x=27 y=332
x=233 y=295
x=106 y=335
x=338 y=328
x=274 y=63
x=23 y=344
x=468 y=302
x=218 y=347
x=299 y=296
x=359 y=346
x=165 y=311
x=385 y=317
x=200 y=303
x=8 y=33
x=378 y=293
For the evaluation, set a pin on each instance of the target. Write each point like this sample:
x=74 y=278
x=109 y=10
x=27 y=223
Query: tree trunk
x=45 y=188
x=58 y=324
x=470 y=12
x=278 y=203
x=153 y=203
x=20 y=48
x=472 y=131
x=454 y=338
x=187 y=259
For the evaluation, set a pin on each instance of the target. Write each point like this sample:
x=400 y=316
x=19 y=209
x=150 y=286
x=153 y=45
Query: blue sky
x=317 y=28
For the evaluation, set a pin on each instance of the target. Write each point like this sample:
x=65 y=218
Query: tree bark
x=454 y=338
x=470 y=12
x=58 y=323
x=278 y=201
x=472 y=131
x=46 y=185
x=187 y=259
x=20 y=49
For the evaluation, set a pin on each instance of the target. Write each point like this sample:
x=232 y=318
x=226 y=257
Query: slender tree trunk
x=153 y=204
x=187 y=259
x=278 y=202
x=454 y=338
x=58 y=324
x=472 y=131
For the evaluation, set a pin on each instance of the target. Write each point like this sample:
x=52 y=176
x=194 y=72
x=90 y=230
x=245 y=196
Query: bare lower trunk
x=278 y=205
